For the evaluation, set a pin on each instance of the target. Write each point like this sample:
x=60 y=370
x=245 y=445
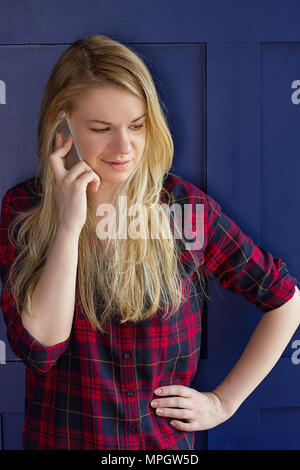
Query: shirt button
x=127 y=355
x=130 y=393
x=134 y=428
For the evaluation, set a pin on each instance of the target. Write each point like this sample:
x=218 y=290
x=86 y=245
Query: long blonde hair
x=140 y=276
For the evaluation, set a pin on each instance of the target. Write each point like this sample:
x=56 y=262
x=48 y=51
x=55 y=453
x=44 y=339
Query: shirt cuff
x=35 y=355
x=281 y=292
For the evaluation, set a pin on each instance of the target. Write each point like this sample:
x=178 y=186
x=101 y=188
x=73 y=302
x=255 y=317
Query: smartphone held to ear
x=74 y=155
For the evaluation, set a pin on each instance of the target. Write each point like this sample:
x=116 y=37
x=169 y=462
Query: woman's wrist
x=229 y=404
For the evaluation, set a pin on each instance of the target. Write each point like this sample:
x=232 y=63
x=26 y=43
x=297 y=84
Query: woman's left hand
x=200 y=410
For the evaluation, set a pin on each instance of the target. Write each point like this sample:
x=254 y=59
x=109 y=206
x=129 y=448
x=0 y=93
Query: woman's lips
x=118 y=166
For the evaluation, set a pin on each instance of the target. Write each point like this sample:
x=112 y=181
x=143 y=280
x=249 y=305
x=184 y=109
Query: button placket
x=128 y=381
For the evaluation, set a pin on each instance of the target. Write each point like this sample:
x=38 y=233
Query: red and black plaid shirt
x=94 y=391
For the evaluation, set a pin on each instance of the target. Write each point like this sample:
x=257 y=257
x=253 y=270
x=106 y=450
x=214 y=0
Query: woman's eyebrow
x=110 y=123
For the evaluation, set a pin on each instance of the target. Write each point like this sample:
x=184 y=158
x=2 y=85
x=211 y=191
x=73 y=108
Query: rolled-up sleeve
x=34 y=355
x=232 y=258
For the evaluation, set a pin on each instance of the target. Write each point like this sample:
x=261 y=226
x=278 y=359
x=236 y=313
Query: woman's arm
x=267 y=343
x=53 y=299
x=205 y=410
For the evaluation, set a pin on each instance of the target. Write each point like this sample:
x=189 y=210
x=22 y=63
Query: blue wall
x=228 y=74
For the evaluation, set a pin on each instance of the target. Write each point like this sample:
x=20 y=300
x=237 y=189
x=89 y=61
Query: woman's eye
x=136 y=128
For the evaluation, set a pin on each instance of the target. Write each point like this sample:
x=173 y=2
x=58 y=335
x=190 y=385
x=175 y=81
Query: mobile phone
x=74 y=155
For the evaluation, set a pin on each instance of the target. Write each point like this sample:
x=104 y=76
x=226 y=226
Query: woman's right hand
x=70 y=186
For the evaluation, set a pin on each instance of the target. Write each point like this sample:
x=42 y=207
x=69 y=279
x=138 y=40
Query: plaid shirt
x=93 y=391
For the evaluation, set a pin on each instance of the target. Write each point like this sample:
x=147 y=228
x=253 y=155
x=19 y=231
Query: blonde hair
x=140 y=276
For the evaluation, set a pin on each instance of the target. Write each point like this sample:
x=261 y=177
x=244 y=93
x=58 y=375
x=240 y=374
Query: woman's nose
x=121 y=144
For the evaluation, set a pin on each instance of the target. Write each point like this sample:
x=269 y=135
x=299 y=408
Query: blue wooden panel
x=280 y=144
x=151 y=21
x=12 y=387
x=233 y=141
x=9 y=354
x=12 y=425
x=279 y=429
x=12 y=404
x=235 y=434
x=19 y=116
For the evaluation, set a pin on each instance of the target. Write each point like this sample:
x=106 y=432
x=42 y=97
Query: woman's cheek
x=91 y=149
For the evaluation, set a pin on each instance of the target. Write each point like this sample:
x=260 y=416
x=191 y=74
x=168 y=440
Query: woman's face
x=121 y=139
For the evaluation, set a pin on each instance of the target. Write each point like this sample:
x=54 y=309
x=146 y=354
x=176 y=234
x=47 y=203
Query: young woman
x=109 y=329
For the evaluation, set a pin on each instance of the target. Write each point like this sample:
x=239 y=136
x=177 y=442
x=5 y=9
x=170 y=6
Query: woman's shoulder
x=24 y=194
x=183 y=190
